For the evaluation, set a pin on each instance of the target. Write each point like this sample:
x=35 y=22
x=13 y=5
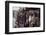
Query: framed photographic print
x=24 y=17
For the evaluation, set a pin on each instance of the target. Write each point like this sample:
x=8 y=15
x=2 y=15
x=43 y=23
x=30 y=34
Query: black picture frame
x=7 y=16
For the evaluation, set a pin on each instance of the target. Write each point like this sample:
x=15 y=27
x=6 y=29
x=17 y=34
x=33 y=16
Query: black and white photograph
x=23 y=17
x=26 y=17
